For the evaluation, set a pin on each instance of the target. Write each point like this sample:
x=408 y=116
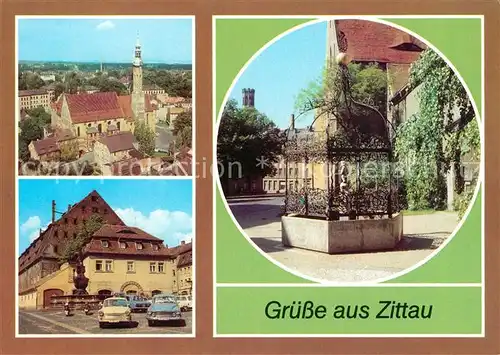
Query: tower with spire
x=137 y=99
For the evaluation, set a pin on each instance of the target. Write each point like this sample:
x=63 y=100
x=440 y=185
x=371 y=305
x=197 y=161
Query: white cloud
x=30 y=229
x=34 y=222
x=105 y=25
x=164 y=224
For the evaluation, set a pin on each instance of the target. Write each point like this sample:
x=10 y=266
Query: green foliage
x=325 y=95
x=175 y=83
x=29 y=81
x=146 y=138
x=69 y=150
x=436 y=139
x=246 y=135
x=73 y=248
x=461 y=202
x=183 y=129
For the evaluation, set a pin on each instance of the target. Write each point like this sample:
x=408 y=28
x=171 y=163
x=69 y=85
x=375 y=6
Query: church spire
x=137 y=56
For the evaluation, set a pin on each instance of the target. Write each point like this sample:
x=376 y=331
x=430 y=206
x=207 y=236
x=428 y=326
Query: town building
x=182 y=283
x=114 y=147
x=91 y=115
x=30 y=99
x=153 y=90
x=119 y=258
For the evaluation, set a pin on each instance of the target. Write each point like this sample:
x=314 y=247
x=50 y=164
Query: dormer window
x=123 y=245
x=139 y=246
x=105 y=243
x=155 y=247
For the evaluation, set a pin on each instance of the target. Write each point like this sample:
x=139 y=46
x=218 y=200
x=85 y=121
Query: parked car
x=114 y=310
x=164 y=308
x=139 y=304
x=185 y=302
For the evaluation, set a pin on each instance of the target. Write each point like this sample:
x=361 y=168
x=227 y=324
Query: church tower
x=137 y=94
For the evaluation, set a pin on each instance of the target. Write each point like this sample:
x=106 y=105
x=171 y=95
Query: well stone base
x=342 y=236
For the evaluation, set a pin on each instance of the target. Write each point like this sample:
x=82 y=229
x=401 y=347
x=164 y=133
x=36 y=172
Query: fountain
x=352 y=214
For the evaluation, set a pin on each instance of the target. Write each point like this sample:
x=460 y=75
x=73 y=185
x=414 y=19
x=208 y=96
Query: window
x=94 y=198
x=130 y=266
x=98 y=265
x=173 y=272
x=105 y=211
x=65 y=234
x=138 y=246
x=105 y=243
x=109 y=265
x=83 y=208
x=160 y=267
x=66 y=220
x=78 y=131
x=152 y=267
x=123 y=245
x=75 y=221
x=155 y=247
x=95 y=209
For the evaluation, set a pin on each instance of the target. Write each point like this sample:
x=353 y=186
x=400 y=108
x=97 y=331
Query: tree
x=69 y=150
x=58 y=90
x=437 y=138
x=40 y=114
x=145 y=137
x=247 y=137
x=74 y=247
x=30 y=81
x=183 y=129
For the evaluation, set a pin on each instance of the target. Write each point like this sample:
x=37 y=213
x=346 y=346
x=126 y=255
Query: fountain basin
x=341 y=236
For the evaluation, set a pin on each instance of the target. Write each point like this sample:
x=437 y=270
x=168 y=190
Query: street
x=260 y=219
x=56 y=322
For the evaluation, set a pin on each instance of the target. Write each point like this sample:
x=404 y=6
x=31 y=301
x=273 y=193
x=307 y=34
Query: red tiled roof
x=185 y=259
x=181 y=249
x=96 y=247
x=147 y=103
x=125 y=102
x=124 y=232
x=182 y=166
x=32 y=92
x=55 y=232
x=94 y=107
x=46 y=146
x=118 y=142
x=63 y=134
x=369 y=41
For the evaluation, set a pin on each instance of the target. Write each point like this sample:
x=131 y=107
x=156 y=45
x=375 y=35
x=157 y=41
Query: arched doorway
x=155 y=292
x=47 y=296
x=131 y=287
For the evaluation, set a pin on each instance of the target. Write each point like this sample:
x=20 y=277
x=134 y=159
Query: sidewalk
x=423 y=234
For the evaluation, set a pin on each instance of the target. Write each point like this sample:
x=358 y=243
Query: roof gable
x=369 y=41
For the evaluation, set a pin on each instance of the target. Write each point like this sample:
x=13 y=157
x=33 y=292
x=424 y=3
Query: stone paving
x=56 y=322
x=260 y=220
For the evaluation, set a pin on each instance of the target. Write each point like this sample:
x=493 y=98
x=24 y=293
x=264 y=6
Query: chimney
x=53 y=211
x=183 y=242
x=39 y=234
x=292 y=122
x=69 y=206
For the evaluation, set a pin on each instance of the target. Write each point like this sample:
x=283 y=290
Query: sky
x=282 y=70
x=105 y=39
x=162 y=208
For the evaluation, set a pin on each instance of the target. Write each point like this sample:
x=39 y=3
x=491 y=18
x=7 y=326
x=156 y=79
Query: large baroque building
x=119 y=258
